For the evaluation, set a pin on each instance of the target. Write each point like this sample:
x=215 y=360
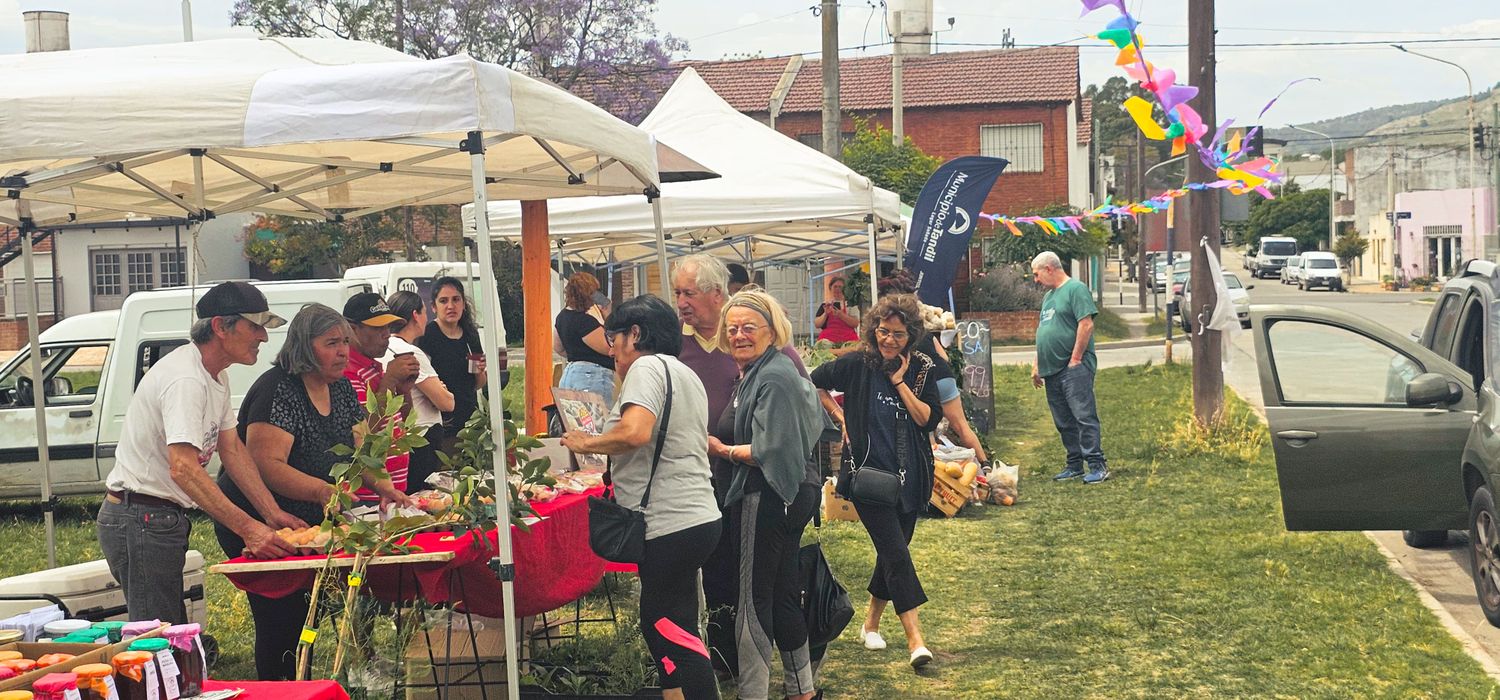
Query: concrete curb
x=1471 y=646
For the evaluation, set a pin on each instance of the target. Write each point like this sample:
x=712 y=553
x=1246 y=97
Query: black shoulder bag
x=825 y=603
x=617 y=533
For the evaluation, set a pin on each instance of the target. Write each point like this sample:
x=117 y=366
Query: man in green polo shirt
x=1065 y=364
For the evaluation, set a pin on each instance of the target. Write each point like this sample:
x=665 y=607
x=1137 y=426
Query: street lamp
x=1331 y=225
x=1473 y=208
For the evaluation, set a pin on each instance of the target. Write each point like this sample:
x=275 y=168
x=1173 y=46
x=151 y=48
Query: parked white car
x=1239 y=297
x=1320 y=269
x=1291 y=270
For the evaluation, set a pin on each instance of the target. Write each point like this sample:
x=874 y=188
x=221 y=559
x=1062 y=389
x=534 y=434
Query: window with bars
x=173 y=272
x=1021 y=144
x=107 y=274
x=1443 y=230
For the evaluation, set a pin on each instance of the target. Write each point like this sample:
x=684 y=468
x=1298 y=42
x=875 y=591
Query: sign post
x=973 y=338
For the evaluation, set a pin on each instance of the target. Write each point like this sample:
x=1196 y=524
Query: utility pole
x=897 y=63
x=1390 y=188
x=187 y=20
x=832 y=146
x=401 y=28
x=1203 y=226
x=1141 y=269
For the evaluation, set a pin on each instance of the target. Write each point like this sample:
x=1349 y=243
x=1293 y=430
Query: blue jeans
x=587 y=376
x=1070 y=395
x=146 y=547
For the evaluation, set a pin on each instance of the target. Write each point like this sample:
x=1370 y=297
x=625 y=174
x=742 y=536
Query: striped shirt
x=366 y=374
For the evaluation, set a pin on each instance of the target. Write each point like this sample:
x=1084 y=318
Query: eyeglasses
x=609 y=337
x=748 y=330
x=898 y=336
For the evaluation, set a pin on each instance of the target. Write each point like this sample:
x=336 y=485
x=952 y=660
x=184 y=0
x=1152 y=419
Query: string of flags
x=1226 y=154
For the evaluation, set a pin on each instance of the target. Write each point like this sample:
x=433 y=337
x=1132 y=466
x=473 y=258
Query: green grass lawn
x=1109 y=326
x=1176 y=578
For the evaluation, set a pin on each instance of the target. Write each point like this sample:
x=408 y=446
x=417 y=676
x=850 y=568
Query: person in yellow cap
x=178 y=419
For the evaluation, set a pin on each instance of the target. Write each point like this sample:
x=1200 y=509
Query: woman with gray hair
x=292 y=416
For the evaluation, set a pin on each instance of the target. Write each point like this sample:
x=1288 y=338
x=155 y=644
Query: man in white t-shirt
x=178 y=419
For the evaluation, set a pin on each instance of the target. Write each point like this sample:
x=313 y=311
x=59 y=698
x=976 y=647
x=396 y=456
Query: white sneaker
x=873 y=641
x=921 y=657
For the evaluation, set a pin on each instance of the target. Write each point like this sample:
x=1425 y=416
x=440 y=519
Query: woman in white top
x=430 y=397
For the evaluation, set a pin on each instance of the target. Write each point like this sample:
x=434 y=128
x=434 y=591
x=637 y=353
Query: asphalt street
x=1441 y=574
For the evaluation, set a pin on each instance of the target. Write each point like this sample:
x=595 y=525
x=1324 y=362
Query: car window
x=1321 y=263
x=149 y=352
x=75 y=378
x=1278 y=248
x=1468 y=344
x=1319 y=363
x=1233 y=282
x=1447 y=323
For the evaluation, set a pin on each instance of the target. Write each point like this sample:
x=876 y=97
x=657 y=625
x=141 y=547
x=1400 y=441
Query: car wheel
x=1484 y=549
x=1425 y=539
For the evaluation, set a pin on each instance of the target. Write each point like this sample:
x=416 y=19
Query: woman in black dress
x=452 y=342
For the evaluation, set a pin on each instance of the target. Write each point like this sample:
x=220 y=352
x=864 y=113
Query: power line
x=1254 y=44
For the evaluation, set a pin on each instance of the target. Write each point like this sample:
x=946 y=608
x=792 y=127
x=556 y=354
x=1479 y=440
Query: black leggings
x=424 y=460
x=770 y=601
x=278 y=622
x=721 y=590
x=895 y=577
x=669 y=609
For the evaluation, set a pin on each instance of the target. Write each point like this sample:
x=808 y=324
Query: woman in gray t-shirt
x=682 y=518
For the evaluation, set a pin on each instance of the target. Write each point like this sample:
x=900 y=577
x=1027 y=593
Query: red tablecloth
x=554 y=567
x=282 y=690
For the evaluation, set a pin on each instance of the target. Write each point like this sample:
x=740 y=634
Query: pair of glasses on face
x=609 y=337
x=886 y=333
x=748 y=330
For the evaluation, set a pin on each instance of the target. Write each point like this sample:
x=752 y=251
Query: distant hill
x=1435 y=122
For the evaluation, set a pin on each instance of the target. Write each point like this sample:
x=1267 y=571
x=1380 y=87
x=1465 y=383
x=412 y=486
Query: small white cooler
x=89 y=591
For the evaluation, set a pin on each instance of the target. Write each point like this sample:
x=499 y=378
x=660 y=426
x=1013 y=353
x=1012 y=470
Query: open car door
x=1368 y=426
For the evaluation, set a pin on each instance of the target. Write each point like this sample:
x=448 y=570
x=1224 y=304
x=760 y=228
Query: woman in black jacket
x=891 y=406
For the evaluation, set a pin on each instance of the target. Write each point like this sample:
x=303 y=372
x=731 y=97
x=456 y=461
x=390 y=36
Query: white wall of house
x=1078 y=163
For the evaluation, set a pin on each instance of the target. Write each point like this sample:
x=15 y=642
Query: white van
x=91 y=364
x=1320 y=269
x=1271 y=256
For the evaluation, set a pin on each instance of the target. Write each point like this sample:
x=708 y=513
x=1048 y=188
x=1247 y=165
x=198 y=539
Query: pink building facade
x=1439 y=236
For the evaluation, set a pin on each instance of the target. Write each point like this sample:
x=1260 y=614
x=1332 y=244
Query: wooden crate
x=836 y=507
x=948 y=495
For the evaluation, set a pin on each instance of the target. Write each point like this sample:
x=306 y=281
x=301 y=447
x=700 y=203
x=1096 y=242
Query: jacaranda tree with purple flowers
x=606 y=51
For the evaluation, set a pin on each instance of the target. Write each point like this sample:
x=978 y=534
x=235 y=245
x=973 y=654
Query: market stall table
x=281 y=690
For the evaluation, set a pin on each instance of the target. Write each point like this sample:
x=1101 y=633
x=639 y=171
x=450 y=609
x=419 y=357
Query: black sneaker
x=1069 y=473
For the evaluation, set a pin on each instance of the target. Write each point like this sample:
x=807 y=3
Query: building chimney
x=45 y=30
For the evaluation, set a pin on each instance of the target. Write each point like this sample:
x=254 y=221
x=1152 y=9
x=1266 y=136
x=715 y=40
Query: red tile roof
x=1086 y=121
x=1041 y=75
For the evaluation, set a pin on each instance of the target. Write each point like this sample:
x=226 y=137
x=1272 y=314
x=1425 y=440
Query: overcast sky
x=1352 y=77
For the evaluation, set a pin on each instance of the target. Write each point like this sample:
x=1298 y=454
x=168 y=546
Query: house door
x=117 y=273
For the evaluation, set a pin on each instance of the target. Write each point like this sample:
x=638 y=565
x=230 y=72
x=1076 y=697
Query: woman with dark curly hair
x=890 y=408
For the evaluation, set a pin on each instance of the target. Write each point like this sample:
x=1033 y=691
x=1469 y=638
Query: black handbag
x=868 y=485
x=825 y=603
x=617 y=533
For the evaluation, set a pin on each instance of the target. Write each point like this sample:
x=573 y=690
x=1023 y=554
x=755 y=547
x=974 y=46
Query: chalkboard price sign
x=973 y=338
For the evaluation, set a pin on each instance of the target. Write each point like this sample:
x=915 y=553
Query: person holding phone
x=891 y=406
x=833 y=317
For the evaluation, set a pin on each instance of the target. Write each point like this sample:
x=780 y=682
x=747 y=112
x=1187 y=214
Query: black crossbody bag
x=617 y=533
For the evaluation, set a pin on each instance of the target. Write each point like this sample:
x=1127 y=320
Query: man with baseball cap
x=178 y=419
x=371 y=319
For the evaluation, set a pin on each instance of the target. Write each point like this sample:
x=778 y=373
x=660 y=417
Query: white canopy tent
x=775 y=199
x=307 y=128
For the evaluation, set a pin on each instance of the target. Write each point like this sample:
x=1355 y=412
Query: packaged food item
x=135 y=675
x=187 y=651
x=8 y=636
x=8 y=655
x=46 y=660
x=96 y=682
x=7 y=673
x=55 y=686
x=19 y=665
x=136 y=629
x=63 y=628
x=111 y=629
x=16 y=695
x=169 y=678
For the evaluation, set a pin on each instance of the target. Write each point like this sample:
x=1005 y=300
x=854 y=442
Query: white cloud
x=1478 y=27
x=747 y=18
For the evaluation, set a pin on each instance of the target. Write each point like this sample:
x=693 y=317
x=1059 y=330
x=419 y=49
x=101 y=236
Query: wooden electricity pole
x=1203 y=225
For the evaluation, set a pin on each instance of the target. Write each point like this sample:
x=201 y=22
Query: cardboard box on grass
x=836 y=507
x=82 y=654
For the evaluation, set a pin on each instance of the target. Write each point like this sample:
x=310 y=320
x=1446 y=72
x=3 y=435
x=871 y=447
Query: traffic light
x=1255 y=142
x=1479 y=136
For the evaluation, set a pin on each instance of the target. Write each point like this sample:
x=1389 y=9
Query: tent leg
x=661 y=249
x=490 y=340
x=812 y=302
x=39 y=386
x=874 y=261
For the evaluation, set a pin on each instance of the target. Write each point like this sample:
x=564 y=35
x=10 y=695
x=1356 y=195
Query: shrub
x=1004 y=289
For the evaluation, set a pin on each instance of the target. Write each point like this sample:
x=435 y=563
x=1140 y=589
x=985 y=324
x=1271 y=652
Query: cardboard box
x=948 y=495
x=82 y=654
x=836 y=507
x=456 y=657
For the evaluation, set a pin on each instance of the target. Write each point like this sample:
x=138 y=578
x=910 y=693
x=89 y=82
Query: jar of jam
x=166 y=666
x=96 y=682
x=9 y=655
x=61 y=628
x=46 y=660
x=16 y=695
x=187 y=651
x=8 y=636
x=136 y=629
x=111 y=629
x=19 y=665
x=135 y=675
x=55 y=686
x=7 y=673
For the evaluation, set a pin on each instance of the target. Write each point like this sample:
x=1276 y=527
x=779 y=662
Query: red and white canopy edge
x=321 y=129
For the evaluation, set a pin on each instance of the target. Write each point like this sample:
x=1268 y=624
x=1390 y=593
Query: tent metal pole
x=874 y=260
x=38 y=385
x=812 y=309
x=504 y=565
x=661 y=247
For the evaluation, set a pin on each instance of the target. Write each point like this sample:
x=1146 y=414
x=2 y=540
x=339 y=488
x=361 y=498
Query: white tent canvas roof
x=291 y=126
x=795 y=201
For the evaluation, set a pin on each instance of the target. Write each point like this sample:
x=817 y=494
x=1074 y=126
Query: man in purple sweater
x=698 y=285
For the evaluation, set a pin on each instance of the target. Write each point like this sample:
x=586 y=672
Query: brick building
x=1020 y=104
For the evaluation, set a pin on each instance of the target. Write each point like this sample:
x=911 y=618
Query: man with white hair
x=699 y=287
x=1065 y=364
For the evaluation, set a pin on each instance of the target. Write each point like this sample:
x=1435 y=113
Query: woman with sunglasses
x=890 y=409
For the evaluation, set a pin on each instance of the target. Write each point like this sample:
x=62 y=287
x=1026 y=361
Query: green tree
x=1008 y=249
x=291 y=248
x=1349 y=247
x=1300 y=215
x=901 y=169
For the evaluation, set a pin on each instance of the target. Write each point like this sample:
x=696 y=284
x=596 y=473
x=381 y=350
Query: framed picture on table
x=584 y=411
